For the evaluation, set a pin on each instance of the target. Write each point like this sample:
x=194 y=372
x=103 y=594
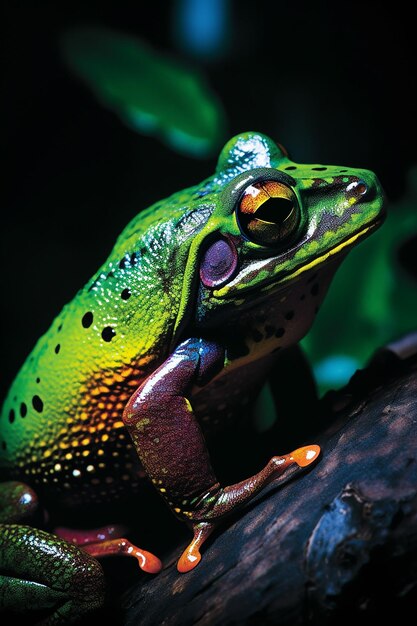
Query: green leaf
x=152 y=93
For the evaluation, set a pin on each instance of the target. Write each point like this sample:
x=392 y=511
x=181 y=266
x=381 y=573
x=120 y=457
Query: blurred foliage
x=372 y=300
x=152 y=93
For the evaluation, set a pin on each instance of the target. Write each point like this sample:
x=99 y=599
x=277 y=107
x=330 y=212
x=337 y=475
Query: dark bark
x=338 y=543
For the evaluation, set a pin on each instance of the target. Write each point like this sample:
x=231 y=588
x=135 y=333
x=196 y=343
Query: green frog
x=172 y=337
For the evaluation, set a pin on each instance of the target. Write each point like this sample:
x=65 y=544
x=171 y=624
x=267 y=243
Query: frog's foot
x=148 y=562
x=109 y=541
x=219 y=502
x=191 y=556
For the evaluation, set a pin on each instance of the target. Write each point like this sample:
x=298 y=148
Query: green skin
x=161 y=347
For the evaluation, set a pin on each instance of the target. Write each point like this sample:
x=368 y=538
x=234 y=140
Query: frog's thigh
x=40 y=572
x=163 y=427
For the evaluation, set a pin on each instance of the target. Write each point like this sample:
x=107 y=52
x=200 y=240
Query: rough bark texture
x=336 y=544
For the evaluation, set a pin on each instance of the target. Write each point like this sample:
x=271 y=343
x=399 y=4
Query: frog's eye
x=268 y=212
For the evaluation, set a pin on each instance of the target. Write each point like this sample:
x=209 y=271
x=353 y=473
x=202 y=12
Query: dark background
x=333 y=81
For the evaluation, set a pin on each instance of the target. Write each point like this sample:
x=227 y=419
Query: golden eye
x=268 y=212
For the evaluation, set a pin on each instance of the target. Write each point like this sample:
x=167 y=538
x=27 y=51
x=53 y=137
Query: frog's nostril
x=356 y=189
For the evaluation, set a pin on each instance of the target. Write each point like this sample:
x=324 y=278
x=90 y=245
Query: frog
x=172 y=337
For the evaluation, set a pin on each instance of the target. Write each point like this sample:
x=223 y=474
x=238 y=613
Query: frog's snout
x=365 y=187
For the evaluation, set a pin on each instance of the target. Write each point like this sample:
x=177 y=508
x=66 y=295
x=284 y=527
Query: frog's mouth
x=237 y=285
x=341 y=248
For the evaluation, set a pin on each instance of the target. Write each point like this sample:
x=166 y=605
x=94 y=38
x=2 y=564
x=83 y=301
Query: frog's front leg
x=172 y=448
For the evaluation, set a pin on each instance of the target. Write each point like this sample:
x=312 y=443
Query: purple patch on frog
x=219 y=263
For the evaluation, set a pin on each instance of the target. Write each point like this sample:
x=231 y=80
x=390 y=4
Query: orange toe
x=305 y=455
x=189 y=559
x=148 y=562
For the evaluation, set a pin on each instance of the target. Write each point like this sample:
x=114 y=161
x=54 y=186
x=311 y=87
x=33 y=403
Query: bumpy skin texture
x=66 y=576
x=61 y=425
x=178 y=330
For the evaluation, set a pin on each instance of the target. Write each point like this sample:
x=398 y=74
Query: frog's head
x=273 y=223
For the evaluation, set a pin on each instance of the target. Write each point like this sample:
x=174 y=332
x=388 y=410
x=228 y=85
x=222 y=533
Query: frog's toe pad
x=305 y=455
x=189 y=559
x=148 y=562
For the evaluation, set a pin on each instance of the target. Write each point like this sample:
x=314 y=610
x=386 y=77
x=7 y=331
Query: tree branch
x=337 y=544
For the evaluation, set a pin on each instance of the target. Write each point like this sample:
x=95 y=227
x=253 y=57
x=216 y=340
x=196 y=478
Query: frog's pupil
x=275 y=210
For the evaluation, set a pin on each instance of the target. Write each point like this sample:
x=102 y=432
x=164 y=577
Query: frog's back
x=62 y=419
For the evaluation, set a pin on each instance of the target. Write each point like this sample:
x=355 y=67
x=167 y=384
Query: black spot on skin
x=11 y=416
x=38 y=380
x=108 y=333
x=59 y=328
x=110 y=275
x=122 y=264
x=257 y=335
x=276 y=349
x=290 y=167
x=269 y=331
x=57 y=348
x=87 y=319
x=143 y=250
x=133 y=258
x=125 y=295
x=37 y=404
x=289 y=315
x=315 y=289
x=319 y=169
x=341 y=171
x=279 y=332
x=23 y=409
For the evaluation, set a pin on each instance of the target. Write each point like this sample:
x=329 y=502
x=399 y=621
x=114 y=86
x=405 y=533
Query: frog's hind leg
x=41 y=575
x=46 y=577
x=173 y=451
x=110 y=541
